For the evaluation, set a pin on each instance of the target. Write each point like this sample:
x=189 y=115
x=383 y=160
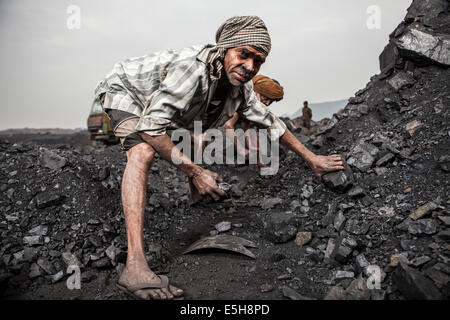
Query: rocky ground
x=378 y=230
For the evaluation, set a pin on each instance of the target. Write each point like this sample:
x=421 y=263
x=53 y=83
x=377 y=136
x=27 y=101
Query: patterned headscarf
x=235 y=32
x=268 y=87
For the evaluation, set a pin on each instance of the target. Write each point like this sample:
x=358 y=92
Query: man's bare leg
x=134 y=196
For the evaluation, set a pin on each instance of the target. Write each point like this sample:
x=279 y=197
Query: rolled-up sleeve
x=174 y=95
x=256 y=112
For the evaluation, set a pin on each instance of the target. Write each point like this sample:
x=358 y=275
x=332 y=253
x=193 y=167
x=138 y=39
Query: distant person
x=307 y=115
x=267 y=91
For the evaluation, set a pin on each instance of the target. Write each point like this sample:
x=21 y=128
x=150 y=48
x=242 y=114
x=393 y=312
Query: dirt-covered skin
x=395 y=141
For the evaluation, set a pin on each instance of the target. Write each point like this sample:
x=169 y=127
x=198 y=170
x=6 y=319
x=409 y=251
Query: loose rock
x=280 y=227
x=303 y=238
x=45 y=199
x=292 y=294
x=51 y=160
x=423 y=210
x=339 y=181
x=413 y=285
x=223 y=226
x=424 y=226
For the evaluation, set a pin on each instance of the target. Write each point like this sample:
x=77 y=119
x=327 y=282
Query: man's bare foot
x=136 y=274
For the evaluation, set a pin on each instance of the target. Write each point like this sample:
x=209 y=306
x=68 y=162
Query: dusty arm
x=203 y=179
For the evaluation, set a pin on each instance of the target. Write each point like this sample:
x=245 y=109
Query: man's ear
x=226 y=52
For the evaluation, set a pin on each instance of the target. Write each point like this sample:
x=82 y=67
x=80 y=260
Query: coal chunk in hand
x=339 y=181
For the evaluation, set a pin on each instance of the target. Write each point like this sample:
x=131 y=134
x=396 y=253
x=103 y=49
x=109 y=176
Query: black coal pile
x=61 y=207
x=394 y=135
x=377 y=230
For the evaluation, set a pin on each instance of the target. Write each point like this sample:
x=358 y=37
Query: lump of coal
x=400 y=80
x=46 y=199
x=339 y=181
x=362 y=156
x=413 y=285
x=424 y=226
x=343 y=249
x=224 y=186
x=51 y=160
x=223 y=226
x=280 y=227
x=425 y=47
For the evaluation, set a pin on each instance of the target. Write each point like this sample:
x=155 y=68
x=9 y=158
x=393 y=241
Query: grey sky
x=321 y=50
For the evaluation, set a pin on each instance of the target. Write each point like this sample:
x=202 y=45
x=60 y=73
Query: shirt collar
x=235 y=91
x=203 y=54
x=203 y=57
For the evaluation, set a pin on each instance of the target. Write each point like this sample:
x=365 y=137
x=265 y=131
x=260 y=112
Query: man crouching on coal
x=148 y=97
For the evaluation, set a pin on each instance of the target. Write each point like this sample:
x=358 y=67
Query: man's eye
x=244 y=54
x=259 y=61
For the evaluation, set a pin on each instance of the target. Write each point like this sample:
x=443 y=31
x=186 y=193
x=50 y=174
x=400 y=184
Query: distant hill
x=43 y=131
x=322 y=109
x=47 y=136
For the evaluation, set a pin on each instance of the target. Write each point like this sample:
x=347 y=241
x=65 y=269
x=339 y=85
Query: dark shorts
x=124 y=124
x=124 y=127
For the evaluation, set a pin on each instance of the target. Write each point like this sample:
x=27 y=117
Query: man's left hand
x=323 y=164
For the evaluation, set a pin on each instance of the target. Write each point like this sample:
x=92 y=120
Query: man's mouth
x=241 y=78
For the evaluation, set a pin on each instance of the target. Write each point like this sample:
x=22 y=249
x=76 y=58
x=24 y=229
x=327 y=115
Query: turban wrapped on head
x=235 y=32
x=244 y=31
x=268 y=87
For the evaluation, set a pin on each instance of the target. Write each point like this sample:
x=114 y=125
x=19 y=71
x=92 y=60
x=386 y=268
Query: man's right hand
x=205 y=182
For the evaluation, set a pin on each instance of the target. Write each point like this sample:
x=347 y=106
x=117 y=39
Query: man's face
x=241 y=64
x=264 y=99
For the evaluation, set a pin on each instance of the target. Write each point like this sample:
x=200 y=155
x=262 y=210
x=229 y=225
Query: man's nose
x=249 y=65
